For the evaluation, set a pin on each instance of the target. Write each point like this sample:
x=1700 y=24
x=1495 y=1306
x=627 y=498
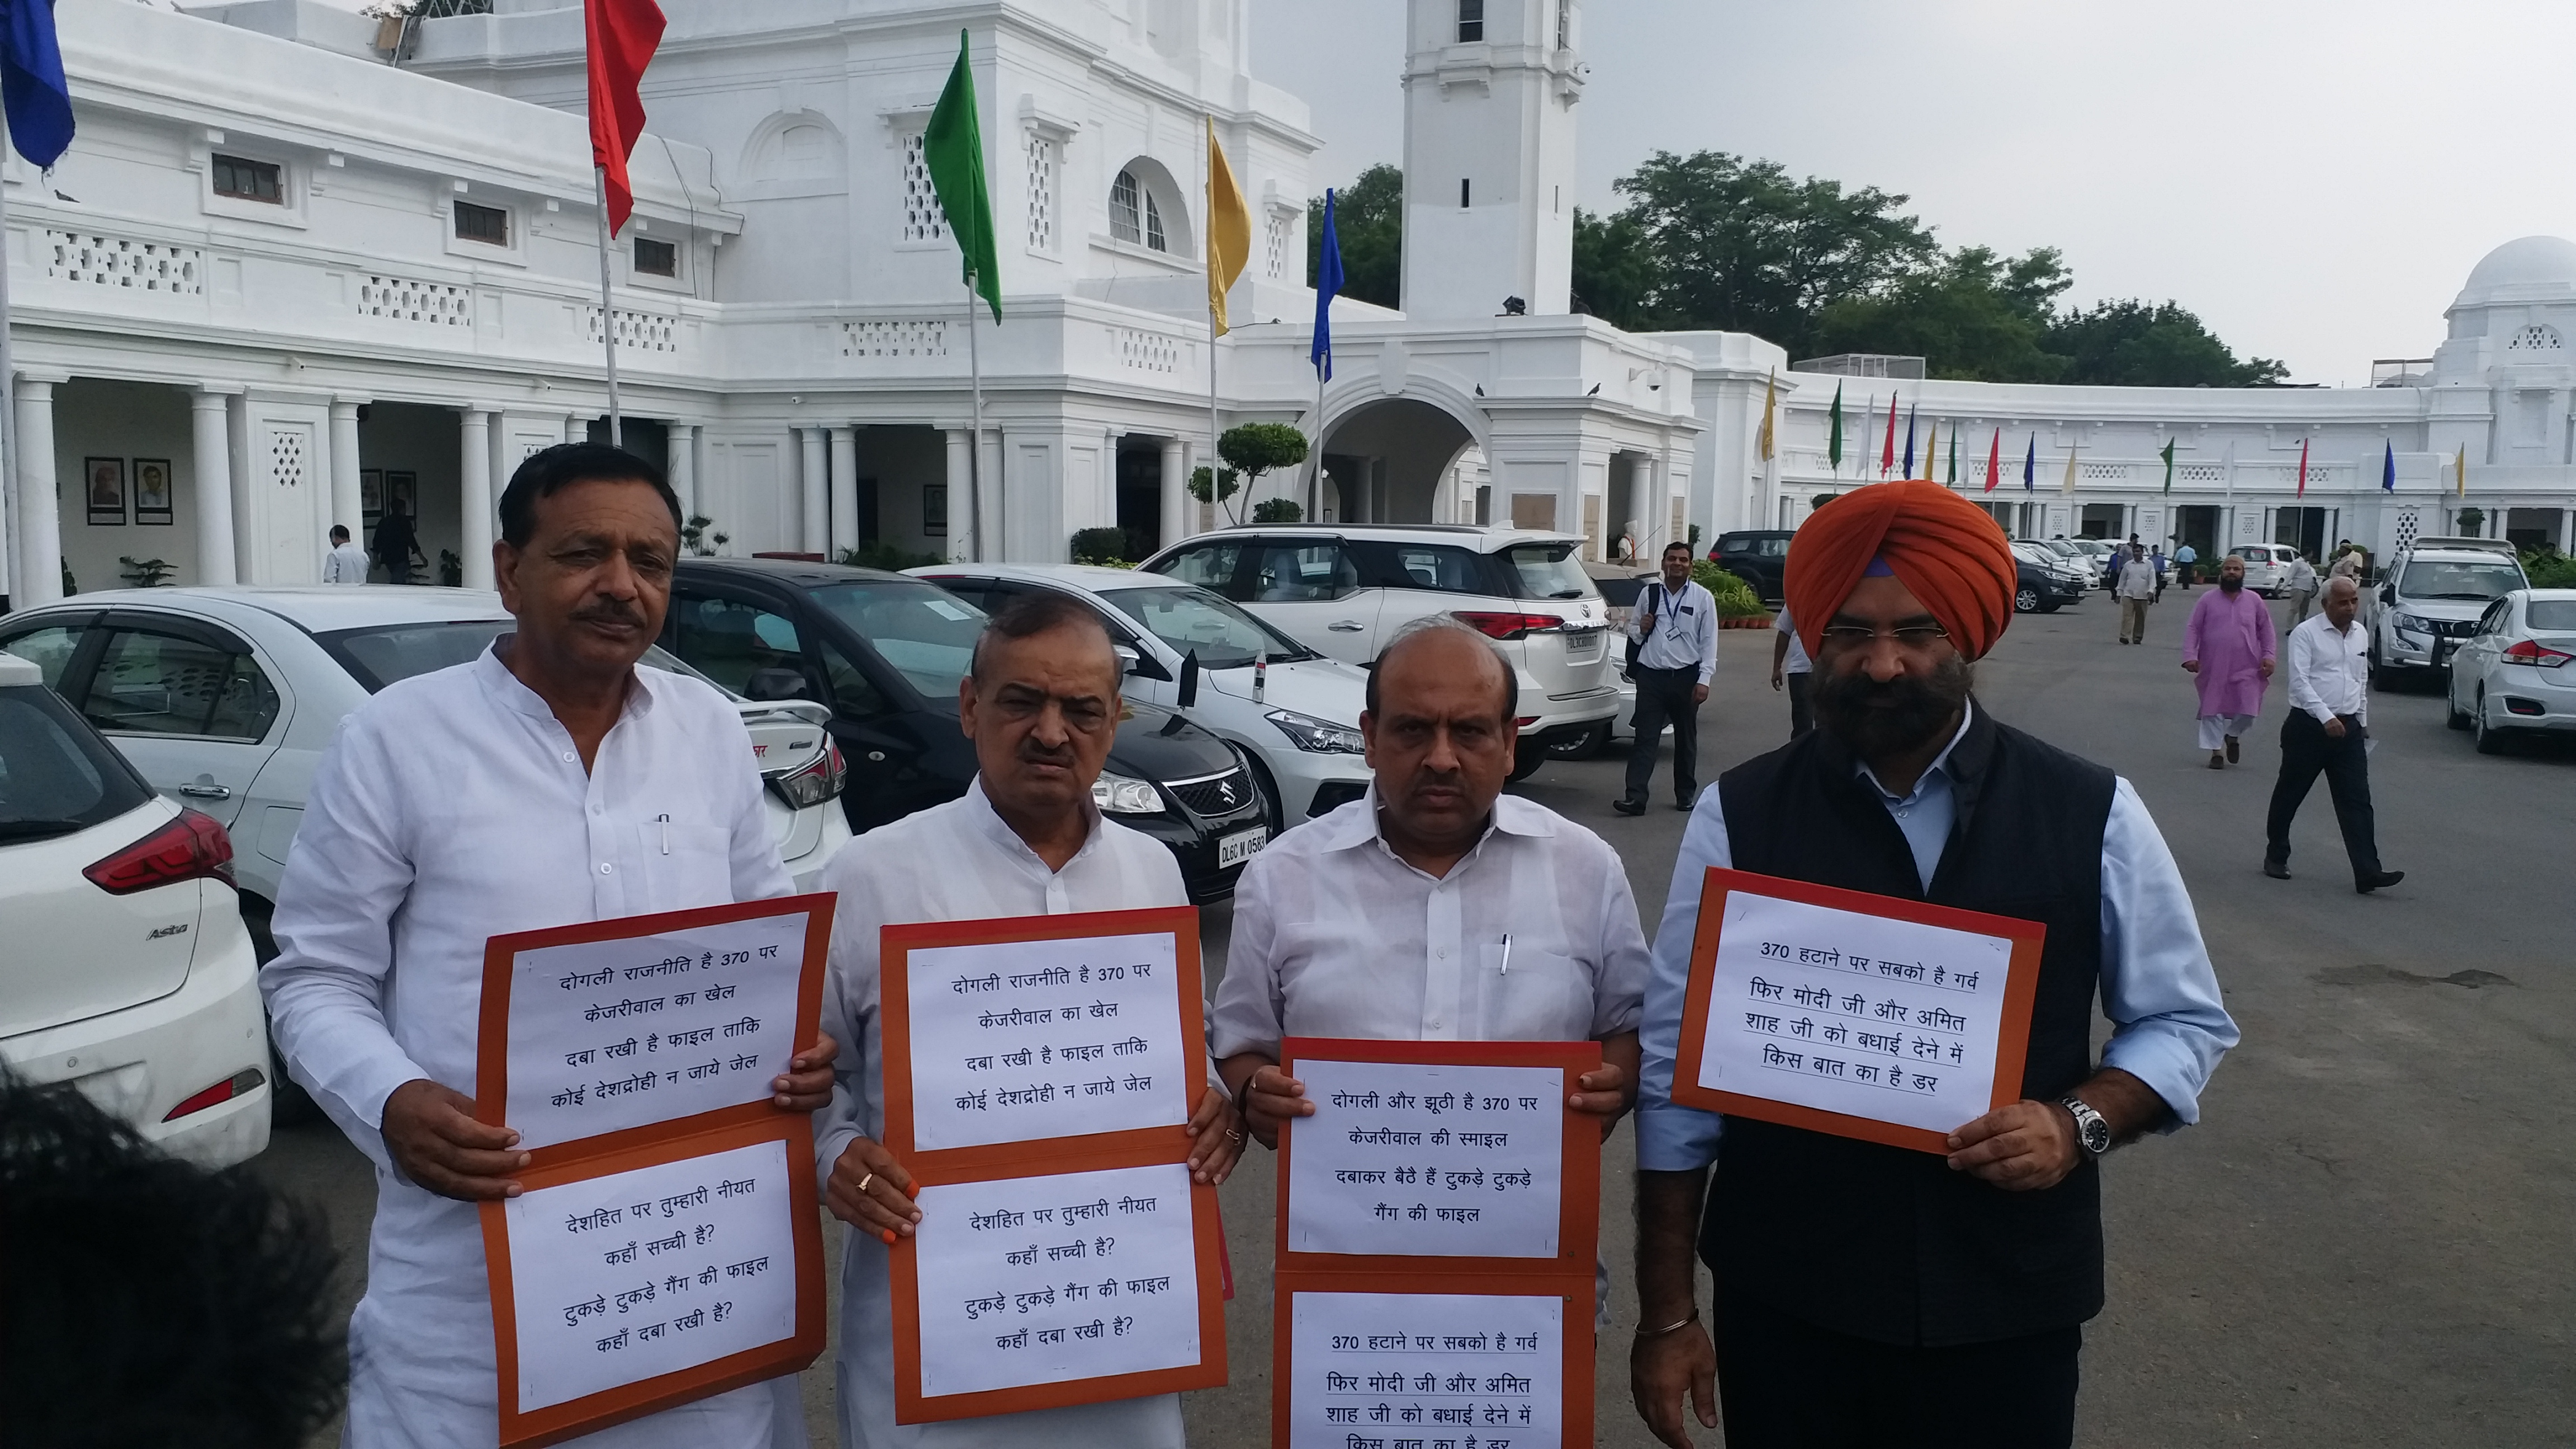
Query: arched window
x=2536 y=337
x=1133 y=214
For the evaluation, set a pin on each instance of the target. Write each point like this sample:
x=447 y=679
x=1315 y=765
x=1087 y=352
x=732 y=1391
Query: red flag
x=1887 y=455
x=2303 y=468
x=622 y=36
x=1995 y=460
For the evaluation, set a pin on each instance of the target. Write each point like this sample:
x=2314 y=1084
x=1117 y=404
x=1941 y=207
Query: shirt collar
x=514 y=694
x=1940 y=765
x=989 y=822
x=1344 y=829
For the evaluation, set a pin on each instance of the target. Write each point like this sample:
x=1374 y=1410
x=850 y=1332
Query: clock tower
x=1489 y=93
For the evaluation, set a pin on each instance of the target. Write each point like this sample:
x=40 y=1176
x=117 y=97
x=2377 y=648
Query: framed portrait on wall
x=103 y=480
x=152 y=490
x=371 y=494
x=402 y=490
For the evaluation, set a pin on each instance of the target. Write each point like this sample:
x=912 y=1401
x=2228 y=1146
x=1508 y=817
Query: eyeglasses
x=1911 y=636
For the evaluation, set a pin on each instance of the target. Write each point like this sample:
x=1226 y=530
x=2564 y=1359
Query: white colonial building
x=284 y=276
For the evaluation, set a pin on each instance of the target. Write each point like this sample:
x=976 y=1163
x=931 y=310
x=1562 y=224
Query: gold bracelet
x=1671 y=1327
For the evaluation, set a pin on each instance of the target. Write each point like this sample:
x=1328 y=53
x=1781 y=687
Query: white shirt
x=1685 y=634
x=1334 y=935
x=345 y=564
x=1796 y=661
x=450 y=808
x=2303 y=577
x=2137 y=580
x=2330 y=669
x=956 y=862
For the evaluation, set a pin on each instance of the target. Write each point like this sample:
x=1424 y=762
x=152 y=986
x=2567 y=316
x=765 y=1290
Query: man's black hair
x=339 y=533
x=1034 y=613
x=1439 y=624
x=1678 y=544
x=547 y=473
x=148 y=1301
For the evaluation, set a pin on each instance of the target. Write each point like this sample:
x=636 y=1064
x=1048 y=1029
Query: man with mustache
x=2229 y=647
x=1867 y=1295
x=550 y=781
x=1040 y=702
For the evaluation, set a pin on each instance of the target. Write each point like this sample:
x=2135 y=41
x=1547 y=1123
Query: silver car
x=2516 y=671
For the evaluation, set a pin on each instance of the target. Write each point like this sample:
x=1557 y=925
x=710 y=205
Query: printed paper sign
x=1407 y=1159
x=1378 y=1370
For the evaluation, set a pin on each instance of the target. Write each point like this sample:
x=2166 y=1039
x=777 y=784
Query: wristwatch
x=2091 y=1132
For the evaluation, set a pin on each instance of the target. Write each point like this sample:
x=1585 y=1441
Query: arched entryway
x=1387 y=461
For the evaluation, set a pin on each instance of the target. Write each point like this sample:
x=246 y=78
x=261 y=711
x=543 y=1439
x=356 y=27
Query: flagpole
x=607 y=310
x=1315 y=475
x=1214 y=491
x=975 y=437
x=13 y=557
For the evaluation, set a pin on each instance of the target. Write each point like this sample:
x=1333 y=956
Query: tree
x=1612 y=271
x=1975 y=316
x=1368 y=218
x=1258 y=448
x=2130 y=344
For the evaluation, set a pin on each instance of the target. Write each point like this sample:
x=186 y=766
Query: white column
x=474 y=495
x=210 y=433
x=845 y=489
x=815 y=536
x=347 y=508
x=576 y=428
x=683 y=471
x=960 y=517
x=39 y=577
x=1175 y=492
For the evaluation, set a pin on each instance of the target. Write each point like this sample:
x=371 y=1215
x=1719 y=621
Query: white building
x=282 y=275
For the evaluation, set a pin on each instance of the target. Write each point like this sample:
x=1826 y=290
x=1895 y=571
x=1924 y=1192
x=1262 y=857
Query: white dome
x=2526 y=269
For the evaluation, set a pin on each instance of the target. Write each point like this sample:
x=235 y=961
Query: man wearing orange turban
x=1861 y=1288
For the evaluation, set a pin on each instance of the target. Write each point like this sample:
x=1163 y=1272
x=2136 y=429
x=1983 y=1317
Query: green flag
x=953 y=148
x=2167 y=455
x=1835 y=447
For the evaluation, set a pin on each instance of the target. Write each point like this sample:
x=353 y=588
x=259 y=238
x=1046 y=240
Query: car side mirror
x=1128 y=658
x=774 y=684
x=2388 y=593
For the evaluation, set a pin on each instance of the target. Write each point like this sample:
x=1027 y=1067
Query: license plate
x=1241 y=846
x=1582 y=646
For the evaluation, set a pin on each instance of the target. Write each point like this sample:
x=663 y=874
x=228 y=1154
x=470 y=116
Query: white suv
x=2267 y=567
x=2432 y=596
x=1345 y=590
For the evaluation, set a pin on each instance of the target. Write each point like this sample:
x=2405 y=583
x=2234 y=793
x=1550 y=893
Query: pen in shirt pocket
x=666 y=834
x=1507 y=954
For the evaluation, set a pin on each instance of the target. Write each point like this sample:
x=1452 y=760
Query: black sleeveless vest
x=1880 y=1242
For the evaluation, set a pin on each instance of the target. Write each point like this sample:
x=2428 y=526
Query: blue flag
x=1328 y=285
x=32 y=89
x=1909 y=440
x=2030 y=466
x=2388 y=468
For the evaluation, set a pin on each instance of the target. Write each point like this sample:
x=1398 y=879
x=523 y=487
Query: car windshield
x=925 y=632
x=56 y=775
x=1549 y=571
x=376 y=657
x=2550 y=614
x=2450 y=579
x=1188 y=617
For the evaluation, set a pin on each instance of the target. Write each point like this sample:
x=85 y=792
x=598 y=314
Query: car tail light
x=1507 y=626
x=817 y=780
x=2537 y=655
x=237 y=1085
x=192 y=847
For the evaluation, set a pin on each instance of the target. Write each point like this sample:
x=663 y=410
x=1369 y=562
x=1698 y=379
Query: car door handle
x=1346 y=626
x=206 y=792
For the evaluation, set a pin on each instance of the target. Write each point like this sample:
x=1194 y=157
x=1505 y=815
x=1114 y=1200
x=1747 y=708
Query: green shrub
x=1100 y=546
x=884 y=556
x=144 y=573
x=1735 y=598
x=1277 y=510
x=2549 y=569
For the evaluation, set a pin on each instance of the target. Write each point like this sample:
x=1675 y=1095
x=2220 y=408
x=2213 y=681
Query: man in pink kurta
x=2229 y=647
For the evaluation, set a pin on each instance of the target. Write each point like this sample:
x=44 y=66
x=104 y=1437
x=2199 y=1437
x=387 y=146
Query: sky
x=2314 y=179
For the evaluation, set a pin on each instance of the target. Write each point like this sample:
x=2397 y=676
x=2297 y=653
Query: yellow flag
x=2069 y=485
x=1229 y=232
x=2460 y=469
x=1931 y=445
x=1770 y=415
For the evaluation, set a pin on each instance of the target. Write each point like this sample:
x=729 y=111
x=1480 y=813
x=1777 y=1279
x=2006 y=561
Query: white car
x=1345 y=590
x=2432 y=597
x=2516 y=671
x=1294 y=712
x=2267 y=567
x=224 y=698
x=128 y=972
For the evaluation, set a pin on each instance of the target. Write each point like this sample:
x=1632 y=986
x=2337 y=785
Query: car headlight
x=2409 y=624
x=1119 y=795
x=1322 y=737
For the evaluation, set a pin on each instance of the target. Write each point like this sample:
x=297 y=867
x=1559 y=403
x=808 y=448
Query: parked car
x=1344 y=590
x=1620 y=595
x=2101 y=554
x=129 y=973
x=2047 y=581
x=1759 y=556
x=2082 y=562
x=2516 y=672
x=1294 y=713
x=2267 y=567
x=2435 y=591
x=885 y=653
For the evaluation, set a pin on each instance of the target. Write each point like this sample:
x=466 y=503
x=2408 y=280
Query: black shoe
x=1684 y=805
x=2231 y=749
x=2280 y=870
x=1629 y=807
x=2369 y=883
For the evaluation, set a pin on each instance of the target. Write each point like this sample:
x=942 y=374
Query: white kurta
x=956 y=862
x=450 y=808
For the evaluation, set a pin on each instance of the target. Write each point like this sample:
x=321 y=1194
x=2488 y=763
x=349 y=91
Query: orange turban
x=1938 y=544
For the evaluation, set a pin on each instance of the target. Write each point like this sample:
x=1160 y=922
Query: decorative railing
x=1148 y=351
x=894 y=339
x=642 y=331
x=398 y=299
x=122 y=262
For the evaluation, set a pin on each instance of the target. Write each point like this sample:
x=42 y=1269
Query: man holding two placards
x=1869 y=1293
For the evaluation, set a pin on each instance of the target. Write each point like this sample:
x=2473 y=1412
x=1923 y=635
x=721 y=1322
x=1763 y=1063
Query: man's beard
x=1875 y=720
x=2231 y=585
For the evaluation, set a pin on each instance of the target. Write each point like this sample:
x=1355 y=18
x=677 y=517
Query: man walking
x=1865 y=1295
x=346 y=563
x=2328 y=731
x=2229 y=647
x=2135 y=588
x=1040 y=705
x=2301 y=586
x=1789 y=659
x=2184 y=558
x=1676 y=632
x=395 y=543
x=518 y=791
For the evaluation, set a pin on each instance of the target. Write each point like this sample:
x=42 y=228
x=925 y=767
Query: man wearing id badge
x=1675 y=629
x=1868 y=1294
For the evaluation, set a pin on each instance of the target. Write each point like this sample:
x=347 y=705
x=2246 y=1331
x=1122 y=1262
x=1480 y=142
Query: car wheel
x=2452 y=714
x=1583 y=746
x=289 y=1105
x=1275 y=806
x=2490 y=740
x=2026 y=600
x=1526 y=759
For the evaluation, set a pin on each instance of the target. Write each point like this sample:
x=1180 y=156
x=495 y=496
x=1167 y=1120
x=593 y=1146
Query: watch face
x=2097 y=1135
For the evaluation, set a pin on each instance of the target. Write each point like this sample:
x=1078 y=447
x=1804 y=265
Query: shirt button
x=598 y=809
x=1443 y=953
x=605 y=867
x=569 y=757
x=1433 y=1023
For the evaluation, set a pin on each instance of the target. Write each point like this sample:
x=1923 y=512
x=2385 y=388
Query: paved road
x=2368 y=1241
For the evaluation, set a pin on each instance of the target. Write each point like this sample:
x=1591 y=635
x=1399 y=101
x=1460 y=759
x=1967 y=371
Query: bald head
x=1438 y=646
x=2341 y=601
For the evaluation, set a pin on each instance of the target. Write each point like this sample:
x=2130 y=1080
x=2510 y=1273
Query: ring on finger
x=1233 y=1136
x=863 y=1182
